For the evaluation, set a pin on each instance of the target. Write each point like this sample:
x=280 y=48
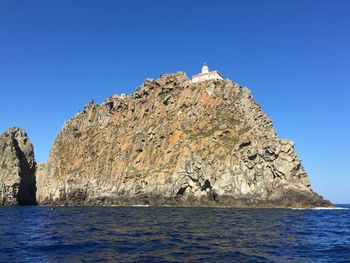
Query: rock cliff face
x=173 y=142
x=17 y=168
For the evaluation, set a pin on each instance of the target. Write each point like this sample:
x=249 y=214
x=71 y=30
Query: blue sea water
x=168 y=234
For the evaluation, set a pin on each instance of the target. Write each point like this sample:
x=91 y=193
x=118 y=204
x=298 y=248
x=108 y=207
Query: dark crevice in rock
x=166 y=101
x=245 y=144
x=206 y=185
x=27 y=187
x=181 y=190
x=139 y=150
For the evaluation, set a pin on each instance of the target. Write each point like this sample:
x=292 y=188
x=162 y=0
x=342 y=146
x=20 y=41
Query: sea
x=173 y=234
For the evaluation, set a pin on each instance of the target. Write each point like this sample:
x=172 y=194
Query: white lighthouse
x=205 y=68
x=206 y=75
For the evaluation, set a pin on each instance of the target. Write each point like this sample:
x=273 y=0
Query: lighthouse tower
x=205 y=68
x=206 y=75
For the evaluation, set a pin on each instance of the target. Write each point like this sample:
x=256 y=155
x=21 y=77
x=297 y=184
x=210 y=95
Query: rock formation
x=17 y=168
x=175 y=142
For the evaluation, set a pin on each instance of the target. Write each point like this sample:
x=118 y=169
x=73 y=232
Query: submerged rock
x=17 y=168
x=174 y=142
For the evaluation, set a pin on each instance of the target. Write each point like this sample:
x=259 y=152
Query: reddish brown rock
x=173 y=142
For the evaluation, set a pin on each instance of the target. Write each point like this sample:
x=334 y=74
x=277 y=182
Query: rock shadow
x=27 y=189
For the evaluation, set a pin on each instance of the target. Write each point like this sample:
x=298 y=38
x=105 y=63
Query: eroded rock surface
x=173 y=142
x=17 y=168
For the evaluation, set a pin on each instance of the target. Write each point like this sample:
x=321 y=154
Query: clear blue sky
x=294 y=55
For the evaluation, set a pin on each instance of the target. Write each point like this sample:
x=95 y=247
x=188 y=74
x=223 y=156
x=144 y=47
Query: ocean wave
x=330 y=208
x=322 y=208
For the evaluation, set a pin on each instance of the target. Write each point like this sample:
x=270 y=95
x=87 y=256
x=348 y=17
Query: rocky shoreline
x=289 y=200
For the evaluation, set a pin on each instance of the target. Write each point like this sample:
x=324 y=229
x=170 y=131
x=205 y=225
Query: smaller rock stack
x=17 y=169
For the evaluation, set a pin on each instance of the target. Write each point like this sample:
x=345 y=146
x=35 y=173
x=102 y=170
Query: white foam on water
x=140 y=205
x=322 y=208
x=330 y=208
x=126 y=205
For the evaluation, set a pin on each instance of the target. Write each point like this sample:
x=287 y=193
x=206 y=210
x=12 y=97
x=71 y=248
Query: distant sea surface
x=168 y=234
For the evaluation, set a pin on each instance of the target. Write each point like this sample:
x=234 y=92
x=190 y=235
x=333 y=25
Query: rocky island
x=172 y=142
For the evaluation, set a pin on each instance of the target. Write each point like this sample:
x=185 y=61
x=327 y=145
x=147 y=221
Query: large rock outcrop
x=173 y=142
x=17 y=169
